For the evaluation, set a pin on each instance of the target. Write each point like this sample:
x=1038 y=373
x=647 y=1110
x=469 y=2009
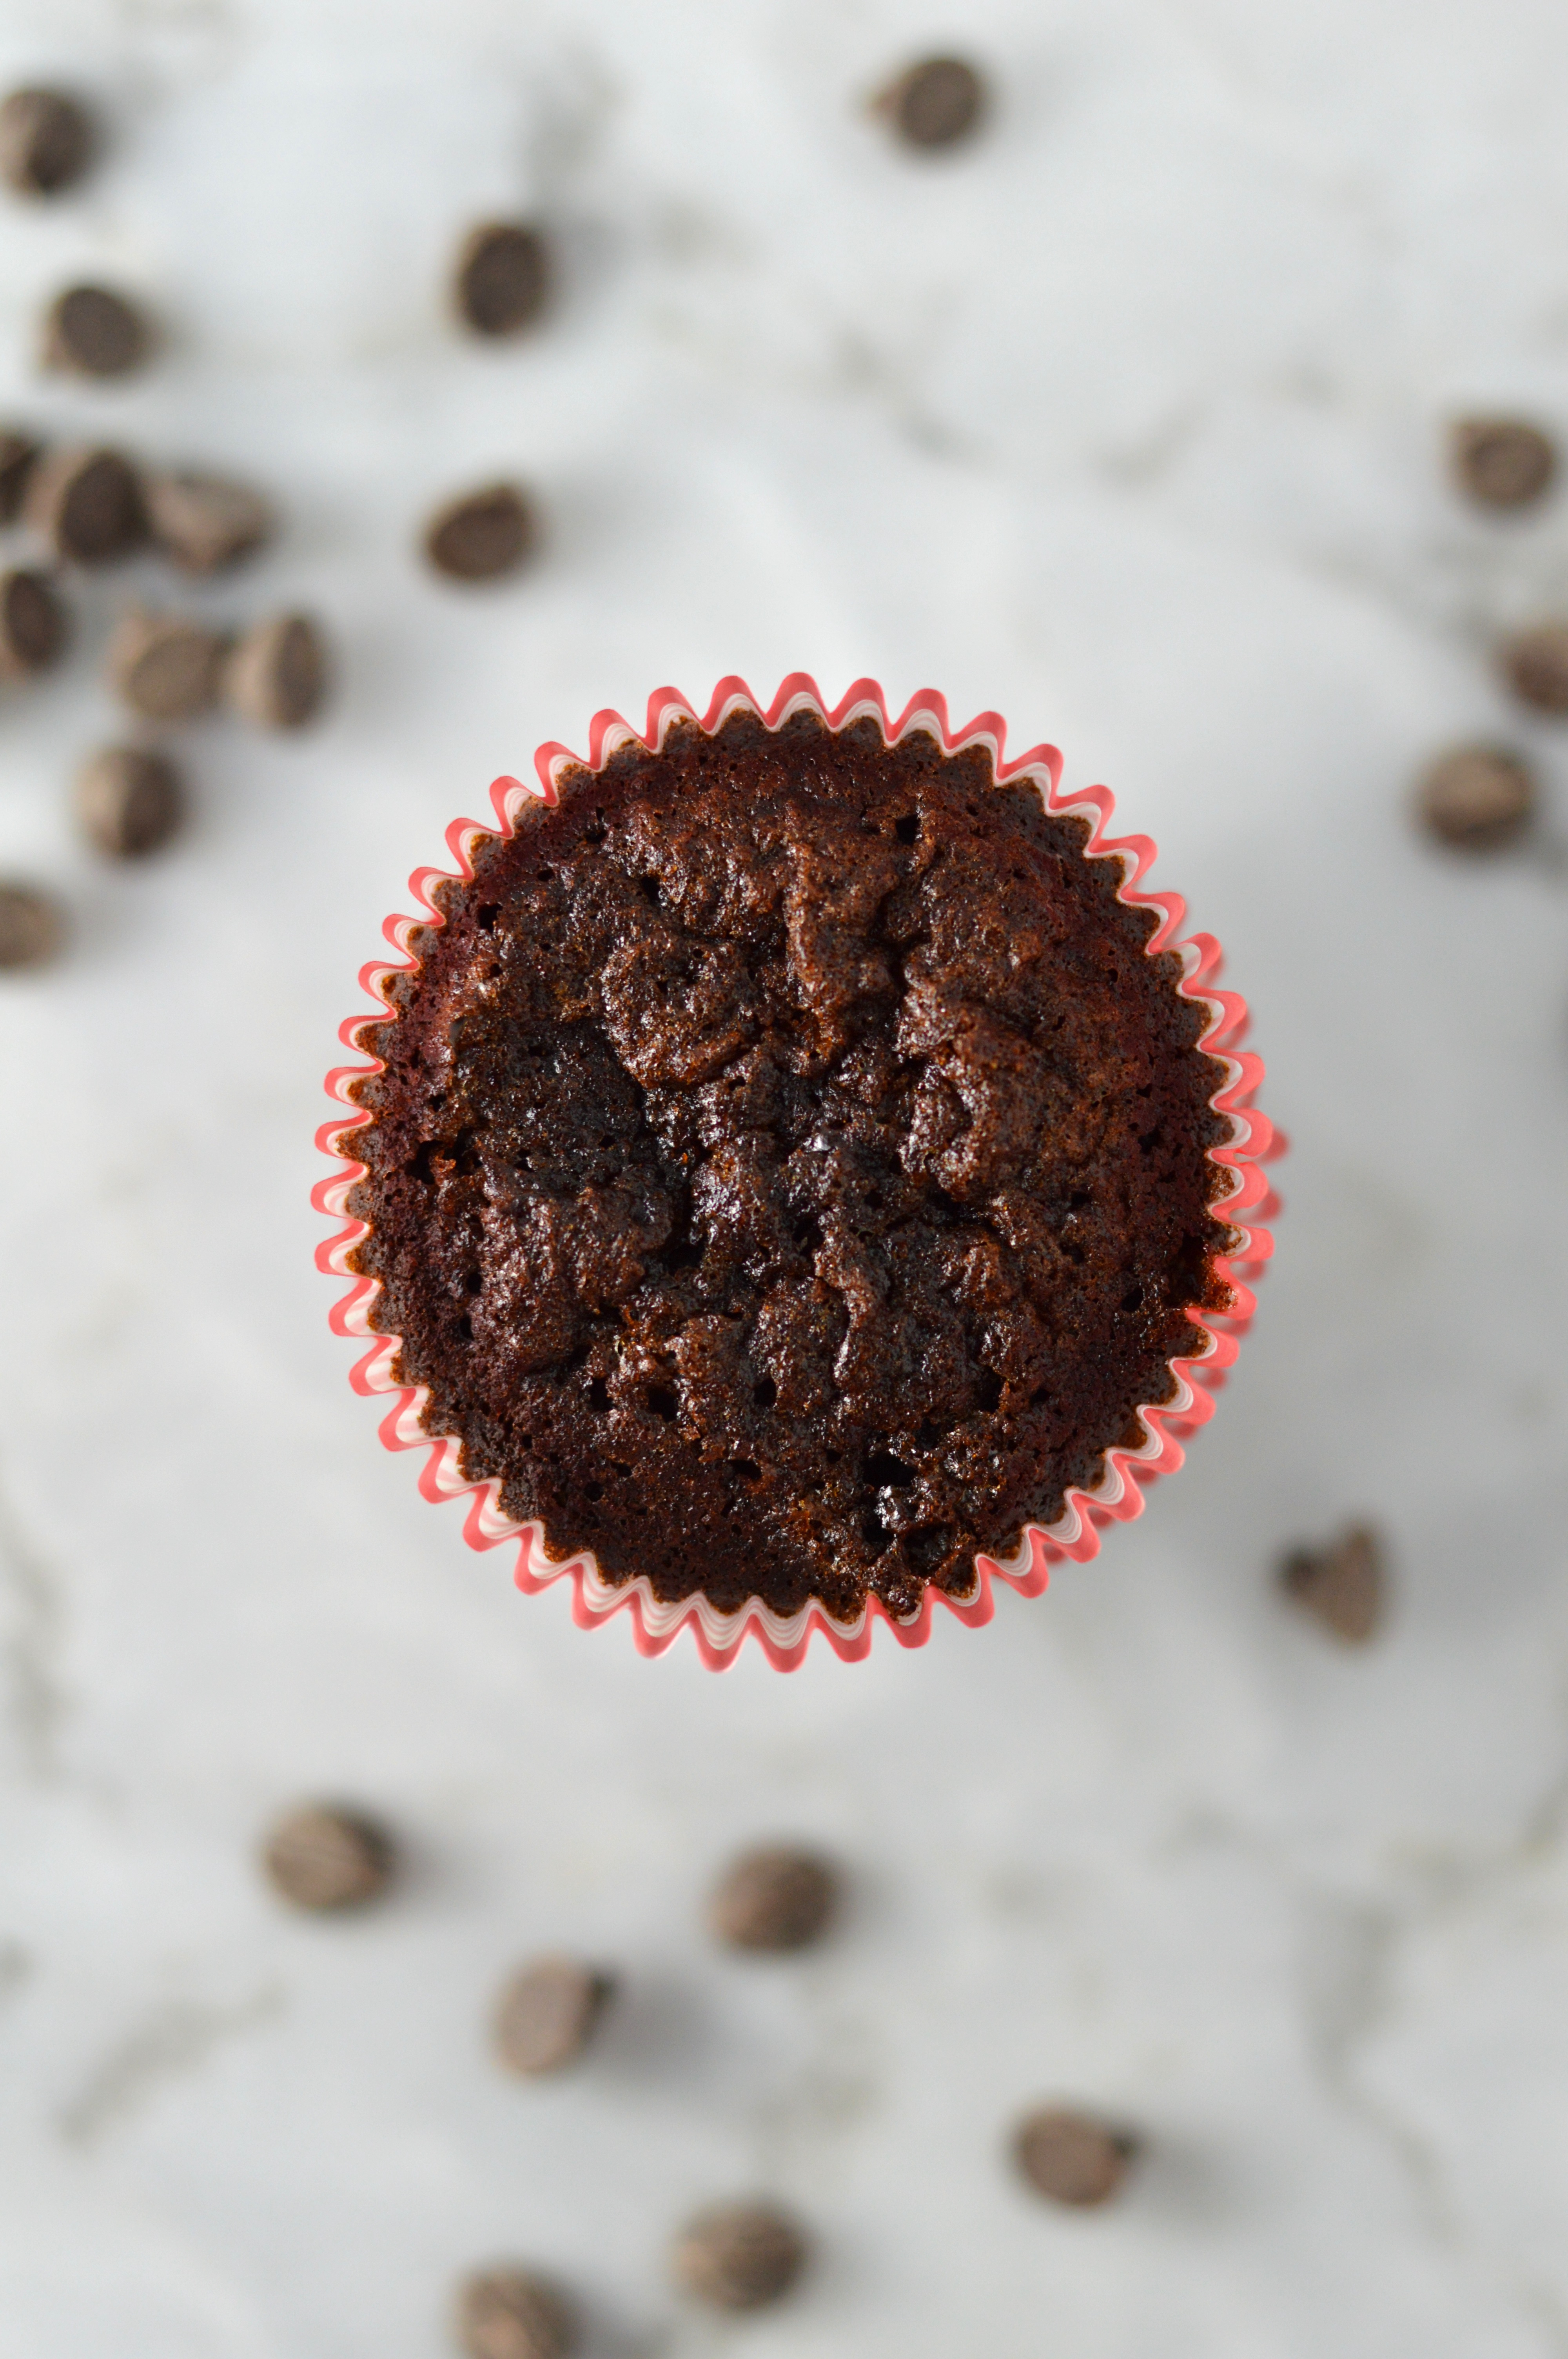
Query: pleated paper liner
x=1117 y=1492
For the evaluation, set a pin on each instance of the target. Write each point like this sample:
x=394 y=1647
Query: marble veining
x=1125 y=421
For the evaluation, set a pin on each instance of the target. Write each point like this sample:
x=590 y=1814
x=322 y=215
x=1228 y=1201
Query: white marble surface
x=1125 y=421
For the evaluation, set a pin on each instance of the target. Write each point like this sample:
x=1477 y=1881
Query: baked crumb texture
x=791 y=1163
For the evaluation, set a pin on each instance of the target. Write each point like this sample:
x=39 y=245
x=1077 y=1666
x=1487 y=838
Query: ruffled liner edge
x=1118 y=1492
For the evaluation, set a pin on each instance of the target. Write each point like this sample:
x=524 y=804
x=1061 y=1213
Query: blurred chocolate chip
x=1535 y=665
x=935 y=103
x=165 y=668
x=482 y=536
x=32 y=925
x=46 y=140
x=1500 y=463
x=738 y=2257
x=1476 y=797
x=774 y=1897
x=19 y=454
x=510 y=2313
x=204 y=523
x=95 y=332
x=547 y=2014
x=324 y=1858
x=34 y=625
x=503 y=277
x=1343 y=1585
x=129 y=800
x=1073 y=2157
x=87 y=505
x=276 y=675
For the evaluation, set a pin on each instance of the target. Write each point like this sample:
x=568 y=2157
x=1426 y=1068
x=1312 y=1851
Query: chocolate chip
x=936 y=103
x=324 y=1858
x=87 y=505
x=277 y=676
x=32 y=925
x=34 y=625
x=165 y=668
x=19 y=454
x=503 y=277
x=95 y=332
x=1535 y=664
x=1073 y=2157
x=509 y=2313
x=204 y=523
x=46 y=140
x=547 y=2014
x=774 y=1897
x=482 y=536
x=738 y=2257
x=1476 y=797
x=1500 y=463
x=1342 y=1585
x=128 y=801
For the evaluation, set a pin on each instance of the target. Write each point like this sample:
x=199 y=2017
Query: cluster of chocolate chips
x=732 y=2256
x=88 y=506
x=1478 y=798
x=93 y=507
x=500 y=286
x=47 y=142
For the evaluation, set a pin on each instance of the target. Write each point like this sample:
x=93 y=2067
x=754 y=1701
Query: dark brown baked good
x=789 y=1171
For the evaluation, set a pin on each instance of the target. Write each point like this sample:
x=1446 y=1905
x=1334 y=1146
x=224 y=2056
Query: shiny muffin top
x=789 y=1171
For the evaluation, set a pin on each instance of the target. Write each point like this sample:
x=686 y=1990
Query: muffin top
x=789 y=1171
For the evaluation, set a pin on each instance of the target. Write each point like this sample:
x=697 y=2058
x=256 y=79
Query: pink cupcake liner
x=1118 y=1492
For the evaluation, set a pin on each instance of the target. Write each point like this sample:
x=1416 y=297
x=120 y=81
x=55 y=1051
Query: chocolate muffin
x=788 y=1171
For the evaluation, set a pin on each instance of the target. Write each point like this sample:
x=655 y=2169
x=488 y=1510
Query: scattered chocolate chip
x=276 y=675
x=1073 y=2157
x=503 y=277
x=509 y=2313
x=96 y=333
x=19 y=454
x=1476 y=797
x=129 y=800
x=1500 y=463
x=32 y=925
x=165 y=668
x=323 y=1857
x=1343 y=1585
x=547 y=2014
x=87 y=505
x=34 y=625
x=46 y=140
x=1535 y=664
x=480 y=535
x=935 y=103
x=773 y=1899
x=737 y=2256
x=205 y=523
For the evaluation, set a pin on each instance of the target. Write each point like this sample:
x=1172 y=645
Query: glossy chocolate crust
x=790 y=1171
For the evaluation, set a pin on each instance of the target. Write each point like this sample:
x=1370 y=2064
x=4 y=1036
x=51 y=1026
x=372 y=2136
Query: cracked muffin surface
x=789 y=1171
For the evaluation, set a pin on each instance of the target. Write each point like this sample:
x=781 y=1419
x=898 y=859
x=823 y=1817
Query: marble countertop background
x=1126 y=420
